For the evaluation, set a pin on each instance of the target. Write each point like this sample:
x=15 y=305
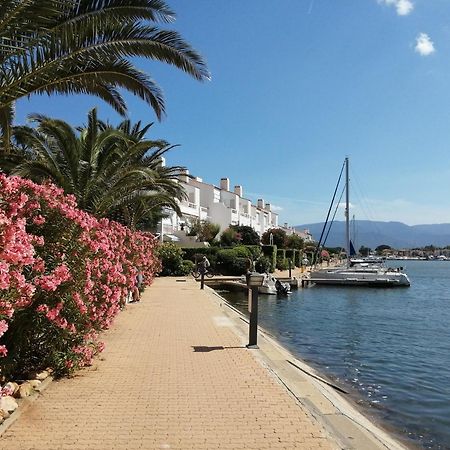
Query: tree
x=379 y=250
x=364 y=251
x=204 y=230
x=229 y=237
x=294 y=241
x=247 y=235
x=110 y=172
x=279 y=237
x=86 y=46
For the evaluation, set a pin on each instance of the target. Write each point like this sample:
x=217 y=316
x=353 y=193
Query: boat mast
x=347 y=212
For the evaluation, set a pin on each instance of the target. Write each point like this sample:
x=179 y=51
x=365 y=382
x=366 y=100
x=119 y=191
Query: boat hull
x=360 y=278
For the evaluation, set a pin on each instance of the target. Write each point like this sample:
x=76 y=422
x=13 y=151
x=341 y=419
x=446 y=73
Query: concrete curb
x=24 y=404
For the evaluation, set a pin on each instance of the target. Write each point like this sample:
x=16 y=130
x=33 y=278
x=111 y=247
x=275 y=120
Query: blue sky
x=296 y=86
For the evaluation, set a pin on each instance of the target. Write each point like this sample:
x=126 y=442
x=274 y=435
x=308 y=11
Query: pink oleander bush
x=64 y=276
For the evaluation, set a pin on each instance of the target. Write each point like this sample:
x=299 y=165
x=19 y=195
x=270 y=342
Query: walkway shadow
x=204 y=349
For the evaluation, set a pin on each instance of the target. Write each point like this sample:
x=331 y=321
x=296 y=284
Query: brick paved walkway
x=165 y=382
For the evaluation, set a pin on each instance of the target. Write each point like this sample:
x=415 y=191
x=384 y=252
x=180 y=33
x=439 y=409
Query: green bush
x=263 y=264
x=255 y=251
x=292 y=254
x=204 y=230
x=271 y=252
x=229 y=237
x=282 y=264
x=195 y=254
x=187 y=267
x=171 y=258
x=241 y=251
x=294 y=241
x=233 y=261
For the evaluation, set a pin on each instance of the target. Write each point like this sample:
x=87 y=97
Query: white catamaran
x=358 y=273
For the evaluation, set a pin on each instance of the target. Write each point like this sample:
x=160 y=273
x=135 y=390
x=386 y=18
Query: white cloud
x=276 y=208
x=424 y=45
x=403 y=7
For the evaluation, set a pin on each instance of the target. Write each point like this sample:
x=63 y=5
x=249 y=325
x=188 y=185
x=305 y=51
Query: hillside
x=396 y=234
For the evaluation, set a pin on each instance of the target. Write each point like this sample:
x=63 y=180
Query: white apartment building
x=219 y=205
x=304 y=234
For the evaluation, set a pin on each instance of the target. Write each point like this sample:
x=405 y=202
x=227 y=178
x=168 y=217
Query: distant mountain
x=395 y=234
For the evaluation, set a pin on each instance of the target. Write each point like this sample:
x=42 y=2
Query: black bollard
x=202 y=280
x=253 y=325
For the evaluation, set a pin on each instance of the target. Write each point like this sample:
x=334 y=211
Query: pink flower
x=38 y=220
x=3 y=327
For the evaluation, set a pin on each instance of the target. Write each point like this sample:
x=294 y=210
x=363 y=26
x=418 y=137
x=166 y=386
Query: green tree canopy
x=379 y=250
x=279 y=237
x=113 y=172
x=87 y=47
x=294 y=241
x=364 y=251
x=204 y=230
x=246 y=235
x=229 y=237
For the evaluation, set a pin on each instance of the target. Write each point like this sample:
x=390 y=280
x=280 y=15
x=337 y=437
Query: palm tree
x=113 y=172
x=84 y=46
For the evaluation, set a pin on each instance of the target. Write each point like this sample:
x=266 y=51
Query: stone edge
x=24 y=404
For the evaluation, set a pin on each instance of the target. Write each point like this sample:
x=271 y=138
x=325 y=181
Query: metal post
x=202 y=279
x=253 y=328
x=290 y=269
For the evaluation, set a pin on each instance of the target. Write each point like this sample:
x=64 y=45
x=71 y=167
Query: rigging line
x=367 y=210
x=334 y=215
x=328 y=215
x=364 y=204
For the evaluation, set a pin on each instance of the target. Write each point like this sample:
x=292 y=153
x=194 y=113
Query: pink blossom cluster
x=70 y=269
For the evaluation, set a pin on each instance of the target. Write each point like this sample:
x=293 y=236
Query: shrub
x=271 y=252
x=294 y=241
x=282 y=264
x=187 y=267
x=171 y=257
x=241 y=251
x=64 y=275
x=229 y=237
x=233 y=261
x=255 y=251
x=204 y=230
x=263 y=264
x=195 y=254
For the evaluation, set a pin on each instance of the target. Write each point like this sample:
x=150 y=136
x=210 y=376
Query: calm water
x=391 y=345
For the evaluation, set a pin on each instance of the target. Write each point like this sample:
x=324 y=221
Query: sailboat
x=358 y=273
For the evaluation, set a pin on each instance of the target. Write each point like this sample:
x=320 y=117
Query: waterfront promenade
x=174 y=375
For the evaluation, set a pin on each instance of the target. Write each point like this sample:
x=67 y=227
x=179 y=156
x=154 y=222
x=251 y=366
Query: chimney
x=225 y=184
x=184 y=177
x=268 y=207
x=260 y=203
x=238 y=191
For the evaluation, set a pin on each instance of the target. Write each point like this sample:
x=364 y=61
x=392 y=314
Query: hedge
x=271 y=252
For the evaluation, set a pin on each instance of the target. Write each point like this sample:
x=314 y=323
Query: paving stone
x=172 y=376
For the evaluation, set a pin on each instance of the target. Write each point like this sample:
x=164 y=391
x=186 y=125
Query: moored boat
x=361 y=272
